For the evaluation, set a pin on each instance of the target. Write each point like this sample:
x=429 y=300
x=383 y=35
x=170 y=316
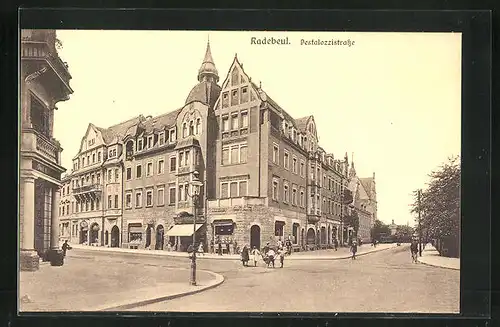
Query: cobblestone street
x=385 y=281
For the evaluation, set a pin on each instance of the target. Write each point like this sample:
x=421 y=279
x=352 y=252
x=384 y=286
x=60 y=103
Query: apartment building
x=265 y=176
x=91 y=207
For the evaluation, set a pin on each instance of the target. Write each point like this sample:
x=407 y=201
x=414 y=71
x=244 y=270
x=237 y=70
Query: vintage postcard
x=196 y=171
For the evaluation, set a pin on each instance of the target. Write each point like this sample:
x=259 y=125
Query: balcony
x=87 y=188
x=87 y=192
x=34 y=141
x=313 y=219
x=39 y=58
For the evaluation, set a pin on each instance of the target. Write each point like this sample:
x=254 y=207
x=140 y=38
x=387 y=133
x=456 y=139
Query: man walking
x=414 y=251
x=354 y=249
x=65 y=247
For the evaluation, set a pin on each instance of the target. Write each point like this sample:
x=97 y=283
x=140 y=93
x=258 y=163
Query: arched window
x=198 y=126
x=191 y=127
x=184 y=129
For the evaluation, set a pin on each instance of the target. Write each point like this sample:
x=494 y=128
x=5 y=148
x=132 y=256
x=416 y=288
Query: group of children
x=268 y=255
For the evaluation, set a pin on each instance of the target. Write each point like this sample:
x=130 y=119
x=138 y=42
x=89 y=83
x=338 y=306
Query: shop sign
x=45 y=170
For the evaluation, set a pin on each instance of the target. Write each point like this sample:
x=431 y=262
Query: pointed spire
x=207 y=69
x=352 y=159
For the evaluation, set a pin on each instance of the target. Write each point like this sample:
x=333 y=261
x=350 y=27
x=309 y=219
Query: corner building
x=44 y=82
x=272 y=180
x=264 y=175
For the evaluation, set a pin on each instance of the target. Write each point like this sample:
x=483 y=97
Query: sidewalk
x=430 y=256
x=83 y=285
x=342 y=253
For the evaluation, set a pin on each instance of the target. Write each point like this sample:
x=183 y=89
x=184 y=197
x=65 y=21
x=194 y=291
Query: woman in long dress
x=245 y=257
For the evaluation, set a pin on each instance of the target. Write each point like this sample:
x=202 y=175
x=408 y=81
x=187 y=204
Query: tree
x=352 y=220
x=439 y=203
x=379 y=228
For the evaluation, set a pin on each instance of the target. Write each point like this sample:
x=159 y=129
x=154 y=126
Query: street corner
x=165 y=293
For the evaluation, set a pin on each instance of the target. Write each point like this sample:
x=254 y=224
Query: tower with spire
x=208 y=72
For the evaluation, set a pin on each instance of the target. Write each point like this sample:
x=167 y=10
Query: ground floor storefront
x=93 y=231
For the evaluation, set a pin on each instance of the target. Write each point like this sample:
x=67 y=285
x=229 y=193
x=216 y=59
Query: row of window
x=81 y=163
x=238 y=120
x=181 y=192
x=233 y=189
x=238 y=95
x=234 y=154
x=295 y=167
x=143 y=143
x=194 y=128
x=296 y=197
x=113 y=176
x=183 y=159
x=89 y=205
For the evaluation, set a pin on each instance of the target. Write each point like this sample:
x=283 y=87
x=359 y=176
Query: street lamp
x=194 y=194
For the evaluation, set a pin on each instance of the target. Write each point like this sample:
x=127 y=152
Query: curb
x=437 y=266
x=219 y=279
x=201 y=257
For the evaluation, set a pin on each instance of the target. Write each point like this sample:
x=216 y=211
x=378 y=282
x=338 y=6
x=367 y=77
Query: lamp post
x=195 y=193
x=419 y=224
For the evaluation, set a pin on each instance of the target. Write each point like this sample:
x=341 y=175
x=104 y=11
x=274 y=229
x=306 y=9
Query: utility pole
x=341 y=212
x=419 y=193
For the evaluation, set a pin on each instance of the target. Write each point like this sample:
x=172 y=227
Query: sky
x=392 y=101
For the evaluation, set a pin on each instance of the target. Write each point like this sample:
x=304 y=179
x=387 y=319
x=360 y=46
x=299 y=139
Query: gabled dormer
x=237 y=87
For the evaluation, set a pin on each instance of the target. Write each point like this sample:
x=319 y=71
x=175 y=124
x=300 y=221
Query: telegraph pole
x=419 y=193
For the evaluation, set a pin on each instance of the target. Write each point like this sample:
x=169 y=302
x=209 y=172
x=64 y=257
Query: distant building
x=44 y=82
x=365 y=202
x=393 y=227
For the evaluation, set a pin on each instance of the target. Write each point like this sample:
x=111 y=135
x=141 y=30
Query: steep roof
x=118 y=130
x=367 y=185
x=302 y=123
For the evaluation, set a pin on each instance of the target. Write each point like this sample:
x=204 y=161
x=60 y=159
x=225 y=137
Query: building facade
x=365 y=202
x=92 y=207
x=44 y=82
x=264 y=175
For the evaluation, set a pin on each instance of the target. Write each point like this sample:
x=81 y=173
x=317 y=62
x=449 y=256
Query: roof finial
x=260 y=84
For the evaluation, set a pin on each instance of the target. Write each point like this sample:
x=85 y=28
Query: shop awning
x=182 y=230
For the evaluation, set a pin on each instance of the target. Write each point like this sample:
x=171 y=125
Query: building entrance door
x=115 y=237
x=160 y=232
x=43 y=214
x=255 y=236
x=311 y=236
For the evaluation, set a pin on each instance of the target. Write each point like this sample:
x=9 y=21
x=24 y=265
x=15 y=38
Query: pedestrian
x=280 y=244
x=281 y=253
x=245 y=256
x=414 y=251
x=256 y=254
x=235 y=247
x=266 y=248
x=219 y=247
x=270 y=254
x=228 y=246
x=288 y=246
x=354 y=249
x=65 y=247
x=336 y=244
x=200 y=249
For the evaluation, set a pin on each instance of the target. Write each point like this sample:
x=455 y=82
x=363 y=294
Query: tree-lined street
x=385 y=281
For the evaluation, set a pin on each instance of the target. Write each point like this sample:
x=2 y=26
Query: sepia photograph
x=239 y=171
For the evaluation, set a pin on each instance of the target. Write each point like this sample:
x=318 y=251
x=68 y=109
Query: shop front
x=180 y=236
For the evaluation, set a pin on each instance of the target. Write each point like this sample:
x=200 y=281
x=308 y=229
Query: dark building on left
x=44 y=81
